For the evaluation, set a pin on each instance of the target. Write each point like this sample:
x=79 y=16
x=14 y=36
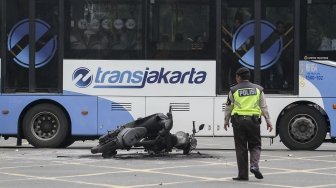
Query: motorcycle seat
x=129 y=136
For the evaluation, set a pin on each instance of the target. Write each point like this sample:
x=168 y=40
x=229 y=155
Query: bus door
x=32 y=61
x=270 y=56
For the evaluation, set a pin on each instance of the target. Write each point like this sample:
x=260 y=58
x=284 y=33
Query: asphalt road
x=212 y=165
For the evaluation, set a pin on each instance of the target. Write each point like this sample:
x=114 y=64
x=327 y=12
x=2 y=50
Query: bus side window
x=104 y=30
x=174 y=33
x=321 y=27
x=163 y=47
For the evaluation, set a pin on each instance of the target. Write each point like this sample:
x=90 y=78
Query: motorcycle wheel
x=111 y=145
x=186 y=151
x=95 y=149
x=109 y=154
x=105 y=138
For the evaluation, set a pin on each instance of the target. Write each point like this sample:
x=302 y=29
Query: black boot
x=240 y=179
x=256 y=172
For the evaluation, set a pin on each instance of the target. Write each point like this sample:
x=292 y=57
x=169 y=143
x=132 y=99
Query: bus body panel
x=188 y=109
x=117 y=111
x=219 y=108
x=14 y=105
x=82 y=125
x=331 y=114
x=185 y=110
x=74 y=106
x=316 y=80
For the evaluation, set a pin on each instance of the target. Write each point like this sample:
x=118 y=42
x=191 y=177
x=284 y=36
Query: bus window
x=321 y=26
x=1 y=34
x=235 y=13
x=182 y=30
x=17 y=73
x=24 y=71
x=277 y=43
x=277 y=73
x=47 y=59
x=104 y=29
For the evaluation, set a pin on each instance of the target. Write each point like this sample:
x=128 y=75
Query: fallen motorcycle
x=152 y=133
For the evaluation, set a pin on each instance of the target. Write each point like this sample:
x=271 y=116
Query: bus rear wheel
x=45 y=126
x=303 y=128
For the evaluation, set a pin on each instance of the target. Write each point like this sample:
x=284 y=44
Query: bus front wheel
x=45 y=126
x=302 y=128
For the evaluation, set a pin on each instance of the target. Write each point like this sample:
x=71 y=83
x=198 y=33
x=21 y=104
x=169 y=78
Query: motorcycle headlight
x=182 y=140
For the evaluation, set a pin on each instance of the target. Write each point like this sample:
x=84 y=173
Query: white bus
x=74 y=69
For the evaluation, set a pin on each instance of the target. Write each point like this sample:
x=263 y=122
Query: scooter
x=152 y=133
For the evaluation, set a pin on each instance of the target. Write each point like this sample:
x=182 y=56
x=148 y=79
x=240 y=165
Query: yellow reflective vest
x=246 y=97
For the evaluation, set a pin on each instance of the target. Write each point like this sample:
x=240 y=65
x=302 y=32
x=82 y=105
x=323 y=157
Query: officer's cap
x=243 y=71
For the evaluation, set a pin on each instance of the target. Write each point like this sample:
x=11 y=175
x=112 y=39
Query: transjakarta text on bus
x=104 y=78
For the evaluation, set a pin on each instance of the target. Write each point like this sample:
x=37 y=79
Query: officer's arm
x=228 y=108
x=264 y=109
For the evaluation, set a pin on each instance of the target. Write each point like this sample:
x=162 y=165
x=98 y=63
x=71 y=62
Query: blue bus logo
x=82 y=77
x=18 y=43
x=271 y=44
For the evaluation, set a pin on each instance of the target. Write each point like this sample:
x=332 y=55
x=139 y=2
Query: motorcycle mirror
x=201 y=127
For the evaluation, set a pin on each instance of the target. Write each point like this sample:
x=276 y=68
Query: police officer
x=245 y=105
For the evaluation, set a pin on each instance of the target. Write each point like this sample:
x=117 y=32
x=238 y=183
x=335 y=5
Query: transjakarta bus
x=74 y=69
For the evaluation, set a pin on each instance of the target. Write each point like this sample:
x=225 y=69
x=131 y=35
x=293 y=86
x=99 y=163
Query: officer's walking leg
x=241 y=150
x=254 y=144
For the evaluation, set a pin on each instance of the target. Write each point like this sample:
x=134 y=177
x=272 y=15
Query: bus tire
x=45 y=126
x=302 y=128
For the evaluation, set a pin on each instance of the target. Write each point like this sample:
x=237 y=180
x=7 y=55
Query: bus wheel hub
x=302 y=129
x=45 y=125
